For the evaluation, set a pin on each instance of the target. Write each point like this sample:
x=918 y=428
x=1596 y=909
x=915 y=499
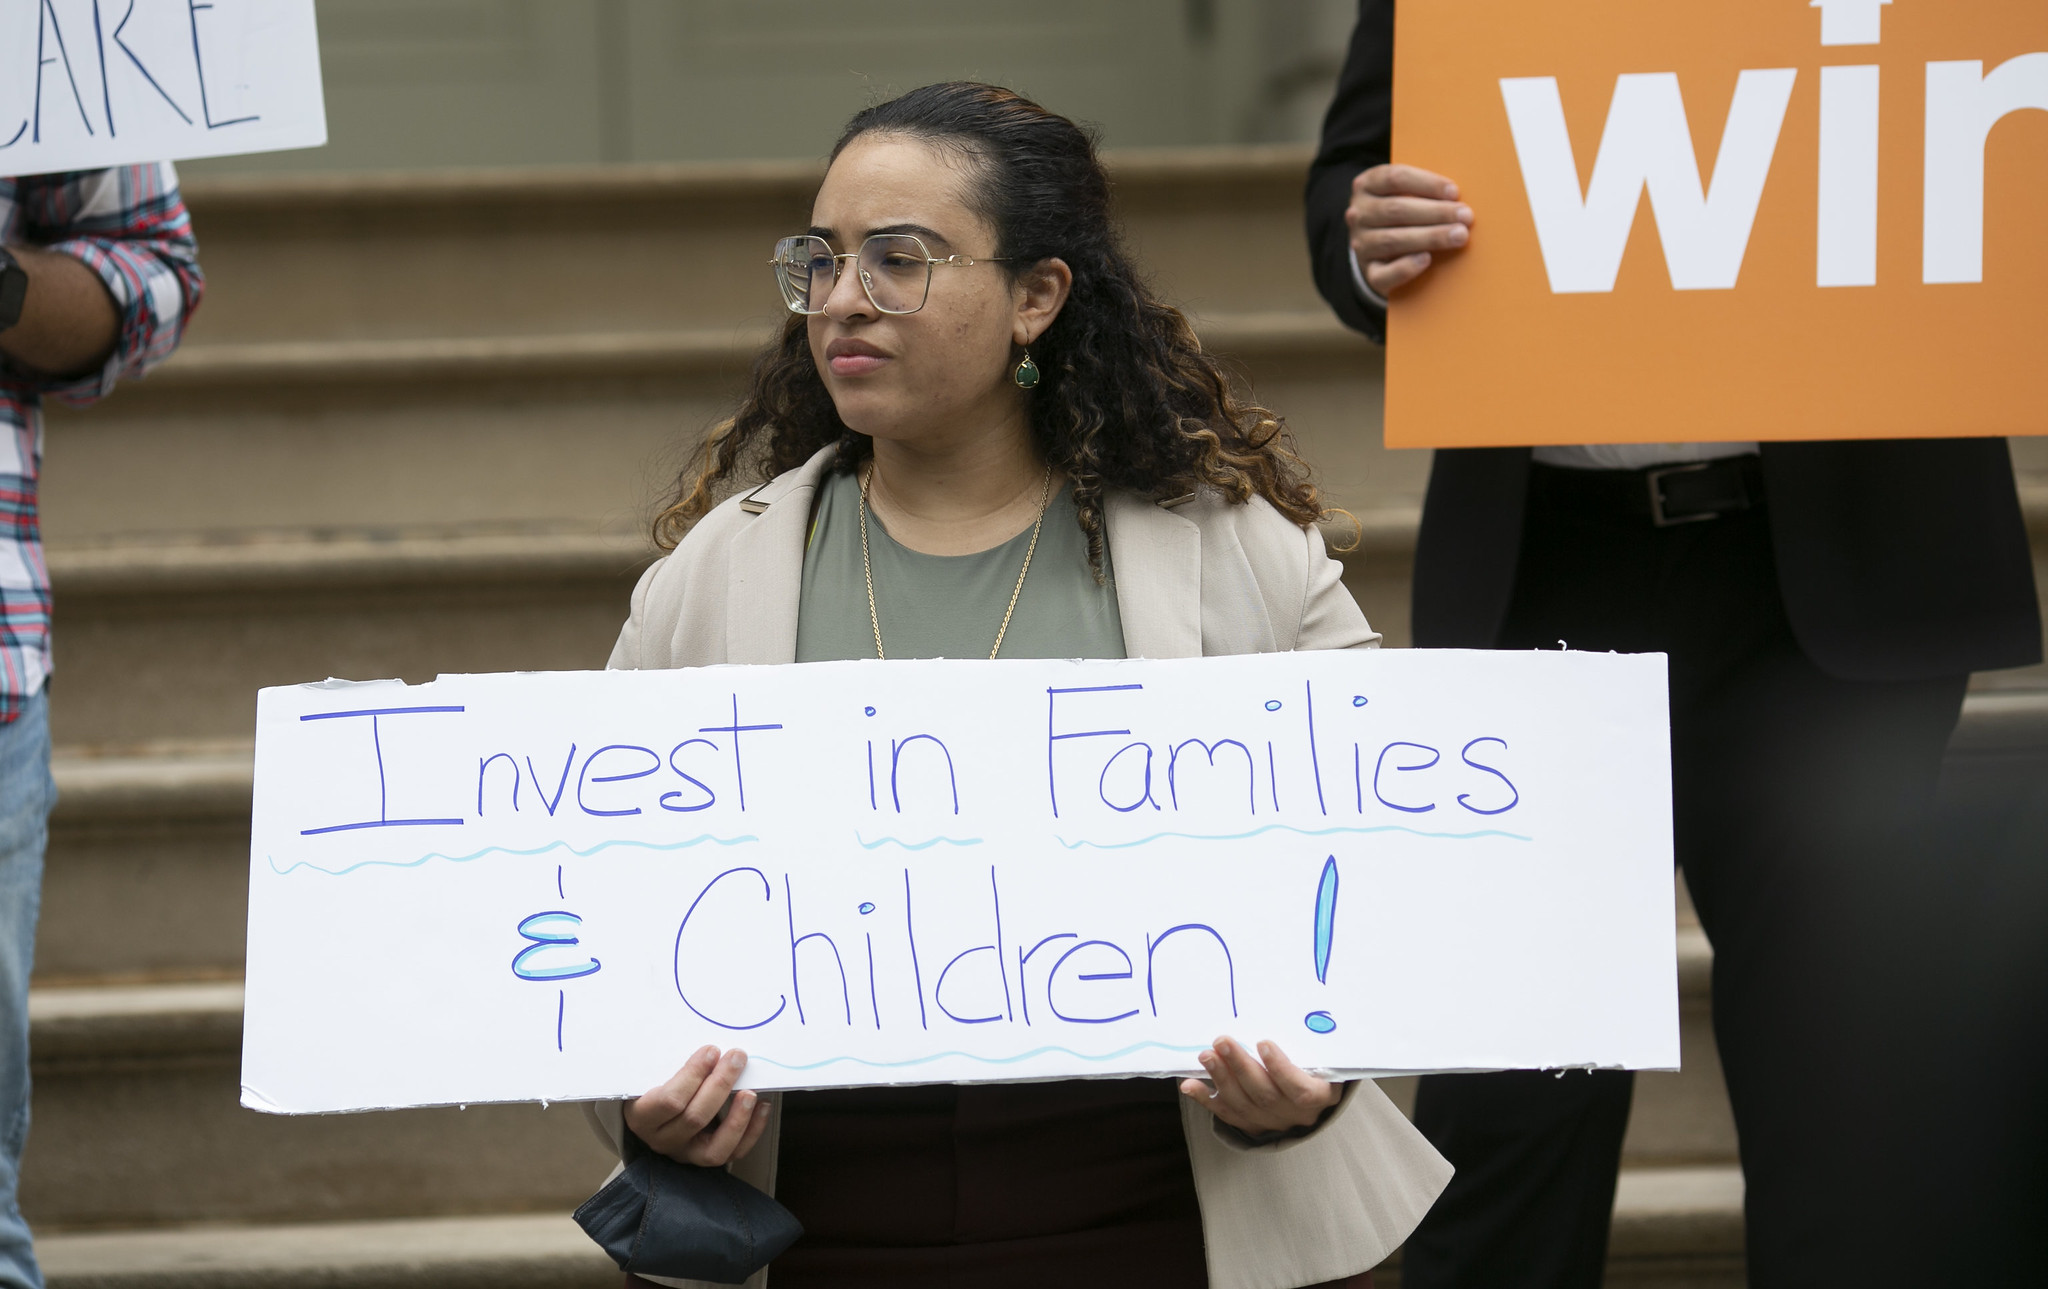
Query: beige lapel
x=1157 y=559
x=766 y=567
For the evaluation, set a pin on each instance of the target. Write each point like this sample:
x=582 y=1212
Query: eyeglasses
x=895 y=271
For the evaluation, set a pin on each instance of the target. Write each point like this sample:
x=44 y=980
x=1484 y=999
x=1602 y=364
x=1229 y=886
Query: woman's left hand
x=1266 y=1093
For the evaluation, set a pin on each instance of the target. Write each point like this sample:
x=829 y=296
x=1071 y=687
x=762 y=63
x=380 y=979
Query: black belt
x=1664 y=495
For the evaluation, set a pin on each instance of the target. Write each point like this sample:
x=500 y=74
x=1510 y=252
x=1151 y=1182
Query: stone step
x=1999 y=753
x=577 y=432
x=1677 y=1228
x=1682 y=1117
x=137 y=1122
x=655 y=247
x=1673 y=1229
x=506 y=1251
x=170 y=642
x=269 y=445
x=147 y=871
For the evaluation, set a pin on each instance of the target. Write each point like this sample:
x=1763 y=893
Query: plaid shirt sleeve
x=129 y=226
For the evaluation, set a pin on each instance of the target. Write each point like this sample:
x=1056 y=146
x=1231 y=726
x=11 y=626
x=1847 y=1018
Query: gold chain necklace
x=867 y=568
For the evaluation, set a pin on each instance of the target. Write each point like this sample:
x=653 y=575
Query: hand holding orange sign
x=1398 y=217
x=1845 y=231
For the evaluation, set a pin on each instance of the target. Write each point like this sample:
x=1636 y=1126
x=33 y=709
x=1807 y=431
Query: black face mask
x=663 y=1218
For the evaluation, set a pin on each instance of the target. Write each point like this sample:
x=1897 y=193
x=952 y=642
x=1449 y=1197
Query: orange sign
x=1745 y=219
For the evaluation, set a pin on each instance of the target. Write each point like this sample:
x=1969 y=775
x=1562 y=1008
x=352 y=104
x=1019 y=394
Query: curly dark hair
x=1126 y=397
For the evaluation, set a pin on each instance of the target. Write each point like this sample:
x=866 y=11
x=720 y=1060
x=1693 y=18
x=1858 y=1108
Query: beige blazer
x=1200 y=578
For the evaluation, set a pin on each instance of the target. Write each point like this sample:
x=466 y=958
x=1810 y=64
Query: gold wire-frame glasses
x=895 y=271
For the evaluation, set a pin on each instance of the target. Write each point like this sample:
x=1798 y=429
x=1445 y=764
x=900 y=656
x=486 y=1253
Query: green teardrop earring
x=1026 y=374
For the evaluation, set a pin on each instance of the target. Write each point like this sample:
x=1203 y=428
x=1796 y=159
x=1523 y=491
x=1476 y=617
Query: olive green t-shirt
x=949 y=606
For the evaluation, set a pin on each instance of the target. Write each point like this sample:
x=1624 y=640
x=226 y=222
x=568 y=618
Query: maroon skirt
x=992 y=1185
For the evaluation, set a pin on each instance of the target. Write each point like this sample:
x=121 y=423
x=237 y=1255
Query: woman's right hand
x=681 y=1118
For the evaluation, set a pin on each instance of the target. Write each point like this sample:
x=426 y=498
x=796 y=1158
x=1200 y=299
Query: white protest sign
x=86 y=84
x=558 y=885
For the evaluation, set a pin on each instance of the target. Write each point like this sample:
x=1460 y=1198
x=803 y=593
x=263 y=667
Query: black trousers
x=1800 y=803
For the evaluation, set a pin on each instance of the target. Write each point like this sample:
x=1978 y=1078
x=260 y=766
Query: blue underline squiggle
x=1305 y=832
x=500 y=850
x=985 y=1060
x=927 y=844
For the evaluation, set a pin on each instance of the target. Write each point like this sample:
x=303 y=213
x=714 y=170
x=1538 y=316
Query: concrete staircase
x=418 y=428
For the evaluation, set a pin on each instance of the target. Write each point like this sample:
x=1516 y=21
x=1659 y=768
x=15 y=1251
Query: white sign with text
x=86 y=84
x=555 y=886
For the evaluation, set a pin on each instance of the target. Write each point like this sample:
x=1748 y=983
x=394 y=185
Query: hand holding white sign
x=696 y=1117
x=1266 y=1094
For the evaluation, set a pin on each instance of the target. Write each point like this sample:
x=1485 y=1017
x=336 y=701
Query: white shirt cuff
x=1364 y=288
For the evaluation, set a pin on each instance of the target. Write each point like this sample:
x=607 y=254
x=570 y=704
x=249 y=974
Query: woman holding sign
x=981 y=436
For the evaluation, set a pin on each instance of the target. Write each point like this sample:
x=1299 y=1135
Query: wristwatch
x=13 y=289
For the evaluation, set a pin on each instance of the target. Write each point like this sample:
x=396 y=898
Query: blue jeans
x=26 y=795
